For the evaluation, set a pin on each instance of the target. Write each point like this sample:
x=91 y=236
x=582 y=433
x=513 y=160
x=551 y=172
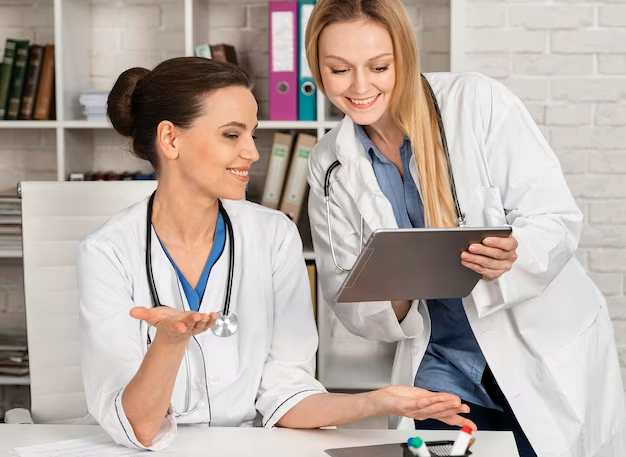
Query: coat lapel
x=357 y=176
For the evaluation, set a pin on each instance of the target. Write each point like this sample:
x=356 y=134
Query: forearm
x=401 y=308
x=147 y=396
x=328 y=409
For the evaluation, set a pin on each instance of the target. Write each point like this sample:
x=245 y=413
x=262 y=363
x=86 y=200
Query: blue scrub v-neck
x=194 y=296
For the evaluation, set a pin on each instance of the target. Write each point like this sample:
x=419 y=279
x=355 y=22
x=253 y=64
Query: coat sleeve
x=371 y=320
x=288 y=374
x=534 y=198
x=111 y=349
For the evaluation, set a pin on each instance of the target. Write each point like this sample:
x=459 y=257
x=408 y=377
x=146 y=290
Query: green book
x=18 y=77
x=6 y=71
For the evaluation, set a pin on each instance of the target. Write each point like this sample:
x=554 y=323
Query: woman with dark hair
x=194 y=256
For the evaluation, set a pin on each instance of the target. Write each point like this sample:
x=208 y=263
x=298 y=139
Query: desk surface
x=257 y=442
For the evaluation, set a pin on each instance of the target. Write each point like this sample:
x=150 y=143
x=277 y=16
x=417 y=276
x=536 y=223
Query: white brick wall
x=567 y=61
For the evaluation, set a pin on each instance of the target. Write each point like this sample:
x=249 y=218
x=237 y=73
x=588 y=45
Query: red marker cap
x=467 y=429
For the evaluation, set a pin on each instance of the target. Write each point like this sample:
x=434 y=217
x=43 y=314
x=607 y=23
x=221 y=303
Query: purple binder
x=283 y=53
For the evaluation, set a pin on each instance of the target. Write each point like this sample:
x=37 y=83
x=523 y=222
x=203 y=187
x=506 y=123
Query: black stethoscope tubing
x=231 y=258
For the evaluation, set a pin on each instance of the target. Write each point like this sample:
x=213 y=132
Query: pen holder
x=436 y=448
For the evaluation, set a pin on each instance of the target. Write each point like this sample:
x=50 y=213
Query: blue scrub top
x=194 y=296
x=453 y=361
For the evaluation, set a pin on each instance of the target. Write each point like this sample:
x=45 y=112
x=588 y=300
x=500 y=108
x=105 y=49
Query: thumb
x=139 y=312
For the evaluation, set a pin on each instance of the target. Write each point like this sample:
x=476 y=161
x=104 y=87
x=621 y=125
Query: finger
x=508 y=244
x=486 y=273
x=445 y=408
x=494 y=253
x=191 y=319
x=486 y=262
x=151 y=315
x=458 y=421
x=201 y=325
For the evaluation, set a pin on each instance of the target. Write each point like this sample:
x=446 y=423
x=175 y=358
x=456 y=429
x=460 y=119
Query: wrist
x=170 y=340
x=371 y=404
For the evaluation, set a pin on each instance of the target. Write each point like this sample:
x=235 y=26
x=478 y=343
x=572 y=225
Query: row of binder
x=292 y=91
x=286 y=179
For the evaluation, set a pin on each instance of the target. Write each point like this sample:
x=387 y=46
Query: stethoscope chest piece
x=226 y=324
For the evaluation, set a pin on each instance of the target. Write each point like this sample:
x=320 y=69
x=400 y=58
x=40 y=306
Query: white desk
x=257 y=442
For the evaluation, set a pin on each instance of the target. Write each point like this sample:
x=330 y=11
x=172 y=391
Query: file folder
x=295 y=189
x=283 y=77
x=307 y=94
x=277 y=170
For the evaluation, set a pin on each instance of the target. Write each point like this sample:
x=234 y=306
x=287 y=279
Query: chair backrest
x=56 y=216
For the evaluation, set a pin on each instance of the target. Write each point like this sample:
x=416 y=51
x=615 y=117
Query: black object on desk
x=436 y=448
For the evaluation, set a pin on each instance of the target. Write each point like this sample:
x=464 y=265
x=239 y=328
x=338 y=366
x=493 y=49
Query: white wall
x=567 y=61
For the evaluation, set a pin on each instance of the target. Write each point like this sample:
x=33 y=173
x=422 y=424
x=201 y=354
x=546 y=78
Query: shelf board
x=85 y=124
x=6 y=380
x=97 y=125
x=28 y=124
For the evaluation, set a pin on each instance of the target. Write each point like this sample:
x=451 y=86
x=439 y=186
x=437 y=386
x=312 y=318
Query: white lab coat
x=266 y=367
x=543 y=326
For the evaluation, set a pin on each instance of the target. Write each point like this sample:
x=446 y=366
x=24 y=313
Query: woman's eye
x=338 y=72
x=231 y=136
x=254 y=137
x=381 y=69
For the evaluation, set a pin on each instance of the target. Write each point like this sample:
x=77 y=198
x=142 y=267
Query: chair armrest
x=18 y=416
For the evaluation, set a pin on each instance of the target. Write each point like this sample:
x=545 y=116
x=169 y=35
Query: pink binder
x=283 y=53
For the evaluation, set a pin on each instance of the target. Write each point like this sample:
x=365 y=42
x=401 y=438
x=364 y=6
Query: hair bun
x=119 y=104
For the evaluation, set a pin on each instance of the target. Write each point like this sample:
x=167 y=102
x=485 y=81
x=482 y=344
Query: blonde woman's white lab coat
x=250 y=378
x=543 y=327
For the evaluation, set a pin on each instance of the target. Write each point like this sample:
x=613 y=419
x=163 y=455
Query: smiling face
x=216 y=152
x=357 y=65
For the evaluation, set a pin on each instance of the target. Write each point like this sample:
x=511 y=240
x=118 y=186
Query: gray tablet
x=412 y=264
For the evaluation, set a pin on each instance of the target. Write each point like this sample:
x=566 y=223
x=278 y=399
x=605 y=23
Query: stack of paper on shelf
x=13 y=356
x=94 y=104
x=10 y=223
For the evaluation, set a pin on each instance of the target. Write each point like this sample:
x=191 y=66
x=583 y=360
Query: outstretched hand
x=173 y=324
x=421 y=404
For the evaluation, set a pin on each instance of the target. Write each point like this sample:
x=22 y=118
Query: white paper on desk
x=99 y=445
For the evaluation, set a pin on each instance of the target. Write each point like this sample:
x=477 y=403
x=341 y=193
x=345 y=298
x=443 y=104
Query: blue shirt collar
x=369 y=146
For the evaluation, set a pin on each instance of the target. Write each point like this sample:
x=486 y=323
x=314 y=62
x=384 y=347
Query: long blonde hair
x=410 y=106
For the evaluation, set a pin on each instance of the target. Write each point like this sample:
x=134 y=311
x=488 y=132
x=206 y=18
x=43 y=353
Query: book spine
x=6 y=70
x=32 y=82
x=17 y=80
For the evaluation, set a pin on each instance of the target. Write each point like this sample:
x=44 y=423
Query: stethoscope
x=226 y=323
x=460 y=217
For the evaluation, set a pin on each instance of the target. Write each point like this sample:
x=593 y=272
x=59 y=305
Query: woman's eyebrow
x=240 y=125
x=385 y=54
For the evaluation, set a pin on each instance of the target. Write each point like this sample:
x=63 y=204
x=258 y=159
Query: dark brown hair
x=172 y=91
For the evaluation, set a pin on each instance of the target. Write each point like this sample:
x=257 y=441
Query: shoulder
x=119 y=231
x=325 y=151
x=473 y=96
x=251 y=216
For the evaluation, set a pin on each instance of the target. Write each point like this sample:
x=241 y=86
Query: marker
x=462 y=441
x=418 y=447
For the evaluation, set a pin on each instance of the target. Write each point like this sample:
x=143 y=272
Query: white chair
x=56 y=216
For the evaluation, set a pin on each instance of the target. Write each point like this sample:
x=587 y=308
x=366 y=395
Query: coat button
x=414 y=349
x=213 y=380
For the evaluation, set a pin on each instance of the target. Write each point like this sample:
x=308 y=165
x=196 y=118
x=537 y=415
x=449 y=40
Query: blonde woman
x=531 y=349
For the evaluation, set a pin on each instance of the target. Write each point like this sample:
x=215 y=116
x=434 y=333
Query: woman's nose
x=360 y=83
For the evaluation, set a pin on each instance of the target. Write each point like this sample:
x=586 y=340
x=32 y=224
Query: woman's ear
x=167 y=139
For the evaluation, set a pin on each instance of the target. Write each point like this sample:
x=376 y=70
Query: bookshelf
x=95 y=40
